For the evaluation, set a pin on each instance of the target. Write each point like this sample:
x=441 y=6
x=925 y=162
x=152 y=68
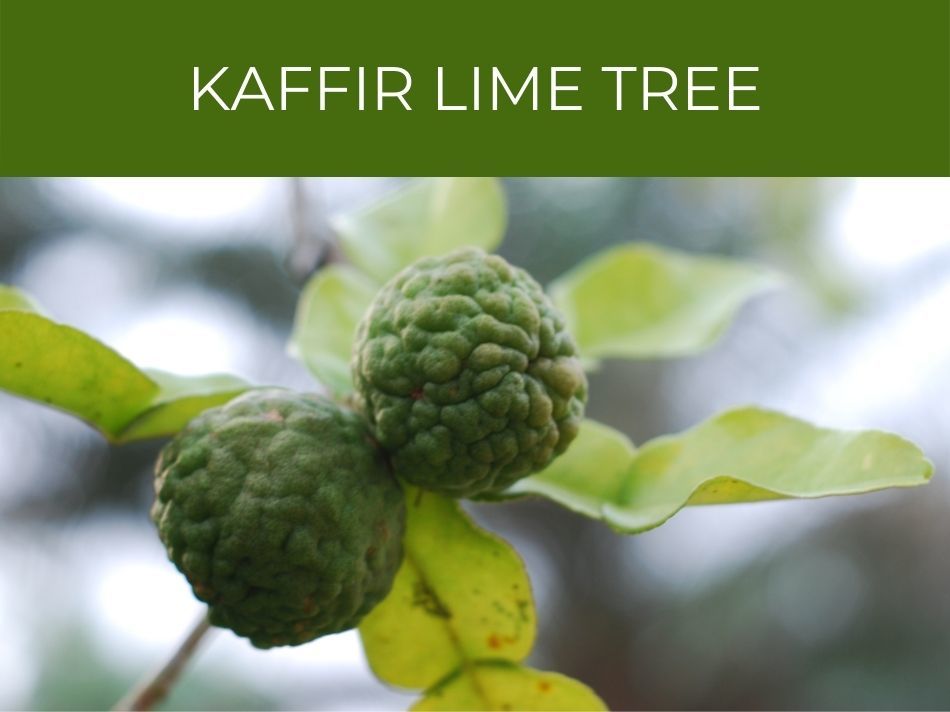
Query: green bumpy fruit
x=467 y=374
x=282 y=513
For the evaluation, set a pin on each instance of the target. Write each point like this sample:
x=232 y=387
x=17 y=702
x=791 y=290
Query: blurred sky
x=166 y=271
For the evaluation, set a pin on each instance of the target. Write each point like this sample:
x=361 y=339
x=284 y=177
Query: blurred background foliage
x=832 y=604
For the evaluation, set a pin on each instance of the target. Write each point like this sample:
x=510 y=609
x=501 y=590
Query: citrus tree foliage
x=63 y=367
x=460 y=618
x=743 y=455
x=424 y=218
x=638 y=301
x=633 y=301
x=331 y=305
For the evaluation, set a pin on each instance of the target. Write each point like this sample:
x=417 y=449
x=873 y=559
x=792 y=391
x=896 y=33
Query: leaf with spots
x=506 y=686
x=462 y=595
x=66 y=368
x=328 y=311
x=429 y=216
x=743 y=455
x=642 y=301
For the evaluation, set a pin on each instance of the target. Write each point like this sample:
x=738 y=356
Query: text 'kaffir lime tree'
x=446 y=373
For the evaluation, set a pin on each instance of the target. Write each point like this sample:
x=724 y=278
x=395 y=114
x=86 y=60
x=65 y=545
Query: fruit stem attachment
x=153 y=689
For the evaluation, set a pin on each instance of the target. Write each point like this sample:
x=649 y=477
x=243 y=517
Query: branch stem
x=314 y=241
x=153 y=689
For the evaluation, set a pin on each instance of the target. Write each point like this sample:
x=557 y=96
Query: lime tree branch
x=152 y=690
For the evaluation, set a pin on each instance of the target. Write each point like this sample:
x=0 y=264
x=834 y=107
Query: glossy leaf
x=505 y=686
x=743 y=455
x=429 y=216
x=642 y=301
x=461 y=595
x=328 y=311
x=180 y=398
x=66 y=368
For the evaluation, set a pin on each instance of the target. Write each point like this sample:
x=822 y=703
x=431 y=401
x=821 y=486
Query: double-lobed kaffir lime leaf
x=505 y=686
x=427 y=217
x=329 y=309
x=743 y=455
x=179 y=399
x=642 y=301
x=66 y=368
x=460 y=619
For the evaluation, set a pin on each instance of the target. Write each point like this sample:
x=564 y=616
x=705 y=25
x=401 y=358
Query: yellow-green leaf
x=180 y=399
x=328 y=311
x=643 y=301
x=429 y=216
x=66 y=368
x=591 y=473
x=506 y=686
x=461 y=595
x=743 y=455
x=13 y=298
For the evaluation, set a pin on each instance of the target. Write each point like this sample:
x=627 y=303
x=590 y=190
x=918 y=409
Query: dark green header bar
x=109 y=87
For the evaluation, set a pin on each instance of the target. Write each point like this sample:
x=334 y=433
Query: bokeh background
x=831 y=604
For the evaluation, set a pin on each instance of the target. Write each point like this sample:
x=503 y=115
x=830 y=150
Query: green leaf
x=430 y=216
x=180 y=399
x=462 y=595
x=66 y=368
x=328 y=311
x=591 y=473
x=642 y=301
x=13 y=298
x=743 y=455
x=505 y=686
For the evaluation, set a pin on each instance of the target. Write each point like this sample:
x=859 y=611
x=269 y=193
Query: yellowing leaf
x=743 y=455
x=459 y=620
x=429 y=216
x=643 y=301
x=328 y=311
x=461 y=595
x=505 y=686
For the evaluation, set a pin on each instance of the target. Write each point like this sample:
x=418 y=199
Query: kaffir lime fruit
x=282 y=514
x=467 y=374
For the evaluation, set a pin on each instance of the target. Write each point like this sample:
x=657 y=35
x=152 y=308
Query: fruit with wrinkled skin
x=467 y=374
x=282 y=514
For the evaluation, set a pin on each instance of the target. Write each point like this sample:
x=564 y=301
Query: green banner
x=725 y=87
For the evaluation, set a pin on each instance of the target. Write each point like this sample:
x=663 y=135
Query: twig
x=314 y=243
x=152 y=690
